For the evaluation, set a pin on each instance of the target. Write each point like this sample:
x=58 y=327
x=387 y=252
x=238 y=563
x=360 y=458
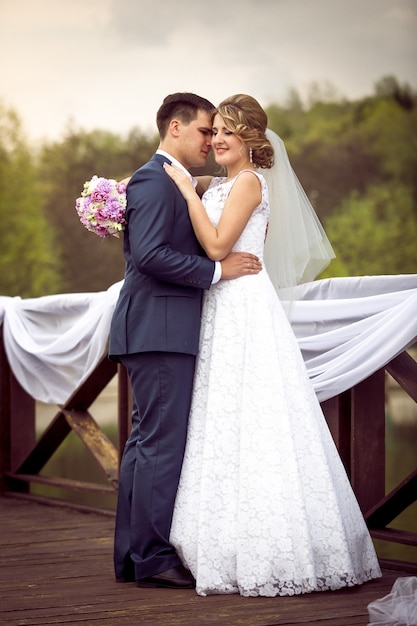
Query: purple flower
x=102 y=206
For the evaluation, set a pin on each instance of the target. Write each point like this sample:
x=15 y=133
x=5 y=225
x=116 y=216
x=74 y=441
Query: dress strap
x=257 y=174
x=248 y=170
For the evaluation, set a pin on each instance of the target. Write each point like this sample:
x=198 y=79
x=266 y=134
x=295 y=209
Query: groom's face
x=196 y=141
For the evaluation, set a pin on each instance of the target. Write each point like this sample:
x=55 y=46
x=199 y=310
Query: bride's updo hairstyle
x=244 y=117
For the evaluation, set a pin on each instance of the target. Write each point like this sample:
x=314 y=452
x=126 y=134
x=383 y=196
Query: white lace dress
x=264 y=506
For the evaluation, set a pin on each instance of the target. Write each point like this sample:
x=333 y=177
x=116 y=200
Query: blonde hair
x=243 y=116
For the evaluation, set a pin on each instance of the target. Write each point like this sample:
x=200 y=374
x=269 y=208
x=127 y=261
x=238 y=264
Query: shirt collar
x=178 y=164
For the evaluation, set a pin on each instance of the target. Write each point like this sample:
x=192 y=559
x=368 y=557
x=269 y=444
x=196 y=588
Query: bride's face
x=229 y=150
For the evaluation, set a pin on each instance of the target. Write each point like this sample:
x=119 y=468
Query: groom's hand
x=238 y=264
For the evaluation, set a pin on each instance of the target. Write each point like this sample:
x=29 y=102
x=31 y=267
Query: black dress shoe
x=127 y=574
x=175 y=578
x=130 y=578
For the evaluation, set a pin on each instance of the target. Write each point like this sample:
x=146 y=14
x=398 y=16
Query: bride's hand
x=181 y=179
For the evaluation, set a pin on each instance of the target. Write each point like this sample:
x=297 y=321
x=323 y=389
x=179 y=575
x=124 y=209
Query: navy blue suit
x=155 y=334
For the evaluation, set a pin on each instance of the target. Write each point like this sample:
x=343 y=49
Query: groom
x=154 y=334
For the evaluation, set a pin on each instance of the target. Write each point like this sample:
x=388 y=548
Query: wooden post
x=17 y=419
x=368 y=440
x=337 y=411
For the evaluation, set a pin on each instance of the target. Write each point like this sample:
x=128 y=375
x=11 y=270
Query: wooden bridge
x=57 y=560
x=56 y=568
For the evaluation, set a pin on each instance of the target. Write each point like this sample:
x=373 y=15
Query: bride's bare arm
x=244 y=196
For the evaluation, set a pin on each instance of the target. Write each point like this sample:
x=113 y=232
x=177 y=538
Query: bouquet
x=102 y=206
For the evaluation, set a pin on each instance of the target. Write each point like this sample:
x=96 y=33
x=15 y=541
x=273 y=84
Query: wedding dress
x=264 y=506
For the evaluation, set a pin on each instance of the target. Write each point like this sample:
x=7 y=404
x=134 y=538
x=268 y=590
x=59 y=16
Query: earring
x=250 y=155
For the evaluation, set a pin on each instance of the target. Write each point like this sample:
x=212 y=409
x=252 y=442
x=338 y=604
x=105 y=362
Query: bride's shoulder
x=249 y=173
x=250 y=178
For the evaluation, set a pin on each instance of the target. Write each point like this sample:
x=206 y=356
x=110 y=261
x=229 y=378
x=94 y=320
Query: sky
x=108 y=64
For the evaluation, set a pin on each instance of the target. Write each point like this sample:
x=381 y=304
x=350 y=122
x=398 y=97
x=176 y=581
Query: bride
x=264 y=506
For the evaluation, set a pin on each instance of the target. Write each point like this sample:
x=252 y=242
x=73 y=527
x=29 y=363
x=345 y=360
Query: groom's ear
x=174 y=127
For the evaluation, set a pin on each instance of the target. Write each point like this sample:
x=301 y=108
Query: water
x=73 y=460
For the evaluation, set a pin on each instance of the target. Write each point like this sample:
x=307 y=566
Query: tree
x=389 y=87
x=29 y=258
x=89 y=263
x=391 y=133
x=337 y=147
x=374 y=233
x=342 y=151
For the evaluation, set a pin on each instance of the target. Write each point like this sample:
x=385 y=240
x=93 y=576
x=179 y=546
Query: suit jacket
x=159 y=305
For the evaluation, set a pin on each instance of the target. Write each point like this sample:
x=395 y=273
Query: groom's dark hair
x=184 y=105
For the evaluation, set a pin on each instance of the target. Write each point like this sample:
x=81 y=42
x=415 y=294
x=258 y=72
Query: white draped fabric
x=53 y=343
x=347 y=328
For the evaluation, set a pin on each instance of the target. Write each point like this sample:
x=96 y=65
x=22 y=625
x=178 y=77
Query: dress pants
x=151 y=464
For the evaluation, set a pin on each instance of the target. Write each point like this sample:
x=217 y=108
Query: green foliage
x=89 y=262
x=29 y=258
x=357 y=161
x=374 y=233
x=338 y=146
x=391 y=133
x=388 y=87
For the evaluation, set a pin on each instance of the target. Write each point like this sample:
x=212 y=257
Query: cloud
x=109 y=63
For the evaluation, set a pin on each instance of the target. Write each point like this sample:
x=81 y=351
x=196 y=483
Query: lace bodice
x=253 y=237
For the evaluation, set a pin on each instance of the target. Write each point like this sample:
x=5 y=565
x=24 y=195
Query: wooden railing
x=22 y=456
x=356 y=419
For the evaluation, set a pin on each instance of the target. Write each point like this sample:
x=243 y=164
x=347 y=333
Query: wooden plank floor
x=56 y=568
